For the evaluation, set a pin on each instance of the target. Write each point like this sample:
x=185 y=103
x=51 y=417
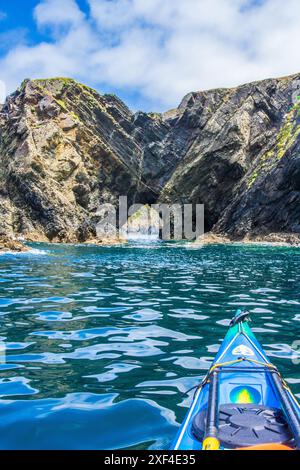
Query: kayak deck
x=249 y=408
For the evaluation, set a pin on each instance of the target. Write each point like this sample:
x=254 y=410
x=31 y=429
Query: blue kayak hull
x=245 y=379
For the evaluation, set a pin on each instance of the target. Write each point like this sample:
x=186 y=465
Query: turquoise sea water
x=100 y=344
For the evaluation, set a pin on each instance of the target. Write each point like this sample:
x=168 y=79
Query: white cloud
x=161 y=49
x=58 y=12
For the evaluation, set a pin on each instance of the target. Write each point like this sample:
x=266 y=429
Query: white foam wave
x=33 y=251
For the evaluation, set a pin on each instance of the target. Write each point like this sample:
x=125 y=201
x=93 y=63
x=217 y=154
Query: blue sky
x=149 y=52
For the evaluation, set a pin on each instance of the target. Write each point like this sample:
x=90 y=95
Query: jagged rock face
x=65 y=149
x=267 y=199
x=235 y=128
x=269 y=202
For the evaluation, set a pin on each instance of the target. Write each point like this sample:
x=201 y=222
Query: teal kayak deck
x=244 y=378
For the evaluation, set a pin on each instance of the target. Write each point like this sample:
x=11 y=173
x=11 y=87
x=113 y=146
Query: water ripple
x=111 y=338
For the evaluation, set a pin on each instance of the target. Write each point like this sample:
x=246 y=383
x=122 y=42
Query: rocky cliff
x=64 y=149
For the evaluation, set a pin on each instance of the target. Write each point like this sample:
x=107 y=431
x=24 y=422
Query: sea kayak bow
x=243 y=403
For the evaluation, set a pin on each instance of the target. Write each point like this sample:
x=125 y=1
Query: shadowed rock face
x=64 y=149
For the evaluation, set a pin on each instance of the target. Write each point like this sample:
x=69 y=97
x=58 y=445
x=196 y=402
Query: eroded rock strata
x=65 y=149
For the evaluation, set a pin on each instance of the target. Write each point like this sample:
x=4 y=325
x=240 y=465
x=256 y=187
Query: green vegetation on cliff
x=285 y=138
